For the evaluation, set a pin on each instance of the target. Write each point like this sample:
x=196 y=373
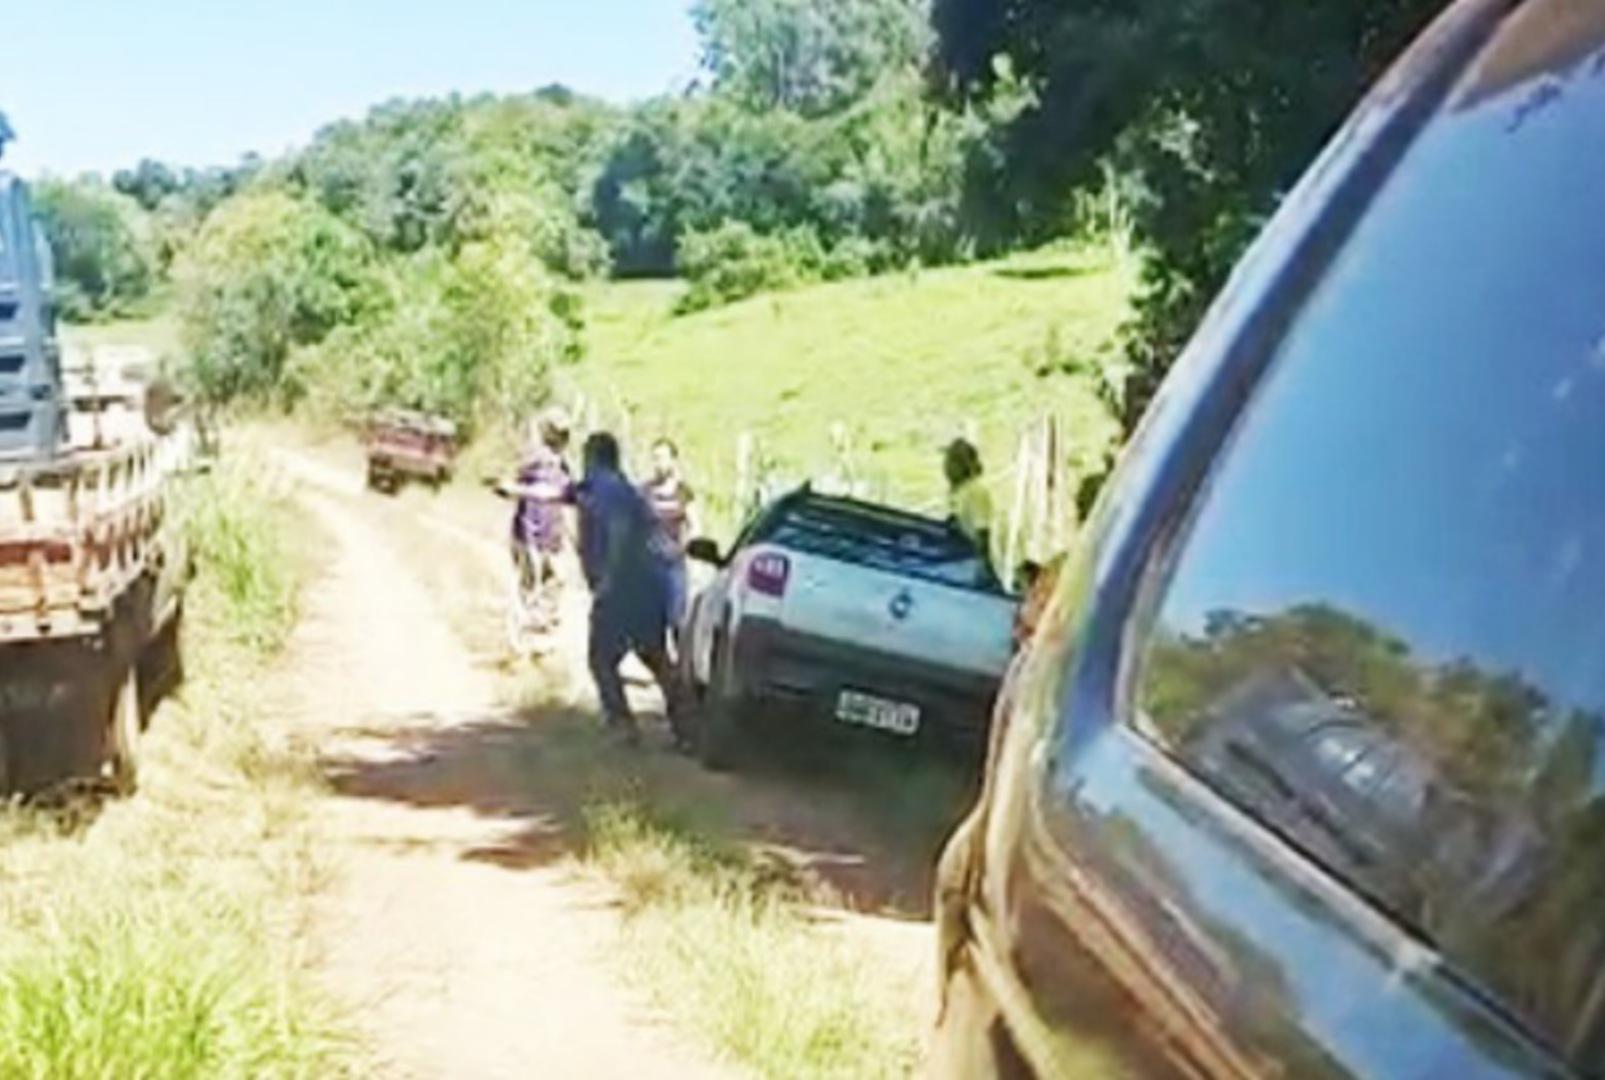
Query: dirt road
x=456 y=924
x=455 y=965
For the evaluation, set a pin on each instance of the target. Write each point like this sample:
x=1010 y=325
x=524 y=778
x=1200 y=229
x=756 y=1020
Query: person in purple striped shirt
x=539 y=531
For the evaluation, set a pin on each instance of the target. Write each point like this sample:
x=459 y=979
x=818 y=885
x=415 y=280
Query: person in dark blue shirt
x=623 y=556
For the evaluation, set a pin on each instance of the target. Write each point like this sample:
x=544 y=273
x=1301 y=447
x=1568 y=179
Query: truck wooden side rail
x=75 y=534
x=91 y=579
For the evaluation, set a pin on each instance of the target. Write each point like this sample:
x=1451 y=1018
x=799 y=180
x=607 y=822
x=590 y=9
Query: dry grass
x=167 y=937
x=727 y=947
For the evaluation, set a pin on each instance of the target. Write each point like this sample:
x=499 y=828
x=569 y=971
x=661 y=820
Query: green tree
x=807 y=56
x=103 y=245
x=473 y=337
x=814 y=122
x=268 y=272
x=148 y=183
x=416 y=174
x=880 y=180
x=1217 y=105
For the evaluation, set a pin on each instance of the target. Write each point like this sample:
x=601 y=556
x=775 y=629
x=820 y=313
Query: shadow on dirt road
x=860 y=830
x=860 y=824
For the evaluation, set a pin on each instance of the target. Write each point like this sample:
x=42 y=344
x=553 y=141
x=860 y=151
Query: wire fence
x=1034 y=495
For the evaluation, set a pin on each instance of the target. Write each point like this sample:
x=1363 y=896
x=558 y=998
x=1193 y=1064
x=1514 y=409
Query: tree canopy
x=1215 y=106
x=804 y=56
x=104 y=247
x=826 y=138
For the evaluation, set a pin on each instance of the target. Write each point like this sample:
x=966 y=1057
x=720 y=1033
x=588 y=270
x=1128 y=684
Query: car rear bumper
x=804 y=676
x=413 y=465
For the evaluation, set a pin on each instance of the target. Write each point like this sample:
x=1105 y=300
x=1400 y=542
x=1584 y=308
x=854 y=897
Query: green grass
x=166 y=939
x=728 y=949
x=159 y=333
x=905 y=361
x=252 y=576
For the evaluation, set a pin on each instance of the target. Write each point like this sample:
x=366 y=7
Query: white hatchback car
x=842 y=612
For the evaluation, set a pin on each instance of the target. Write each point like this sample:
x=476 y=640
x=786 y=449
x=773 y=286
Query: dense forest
x=431 y=253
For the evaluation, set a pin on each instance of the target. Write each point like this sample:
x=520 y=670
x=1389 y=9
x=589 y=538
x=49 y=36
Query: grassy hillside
x=159 y=334
x=904 y=362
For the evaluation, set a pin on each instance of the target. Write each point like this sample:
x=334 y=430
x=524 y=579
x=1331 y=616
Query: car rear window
x=1383 y=630
x=883 y=539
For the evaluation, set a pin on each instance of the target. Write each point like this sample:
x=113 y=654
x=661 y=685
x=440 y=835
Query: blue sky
x=98 y=84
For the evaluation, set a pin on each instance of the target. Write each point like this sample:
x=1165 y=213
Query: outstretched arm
x=541 y=492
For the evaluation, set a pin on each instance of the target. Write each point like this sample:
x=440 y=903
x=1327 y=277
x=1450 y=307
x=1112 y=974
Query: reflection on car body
x=1303 y=772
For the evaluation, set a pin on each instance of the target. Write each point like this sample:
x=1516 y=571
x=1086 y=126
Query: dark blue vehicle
x=1303 y=774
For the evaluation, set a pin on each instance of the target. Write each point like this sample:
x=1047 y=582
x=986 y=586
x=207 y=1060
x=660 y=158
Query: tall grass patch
x=730 y=950
x=240 y=536
x=166 y=937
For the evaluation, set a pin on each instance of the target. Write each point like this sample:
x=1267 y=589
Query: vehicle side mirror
x=704 y=550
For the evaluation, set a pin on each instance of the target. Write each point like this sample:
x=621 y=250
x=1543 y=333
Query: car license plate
x=867 y=710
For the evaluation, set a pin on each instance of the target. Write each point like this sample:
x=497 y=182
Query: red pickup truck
x=403 y=444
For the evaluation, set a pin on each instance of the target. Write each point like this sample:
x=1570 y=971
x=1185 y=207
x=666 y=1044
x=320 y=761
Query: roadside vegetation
x=734 y=952
x=738 y=938
x=434 y=253
x=163 y=935
x=867 y=228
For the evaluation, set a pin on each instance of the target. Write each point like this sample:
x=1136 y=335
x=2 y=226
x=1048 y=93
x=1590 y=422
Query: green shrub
x=734 y=261
x=268 y=273
x=248 y=576
x=855 y=257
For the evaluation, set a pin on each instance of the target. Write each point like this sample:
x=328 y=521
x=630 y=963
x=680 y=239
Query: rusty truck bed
x=75 y=533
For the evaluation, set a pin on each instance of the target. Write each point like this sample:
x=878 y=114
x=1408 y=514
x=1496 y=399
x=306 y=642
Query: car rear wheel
x=720 y=716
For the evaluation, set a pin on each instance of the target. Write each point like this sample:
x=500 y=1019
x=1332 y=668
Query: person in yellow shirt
x=969 y=501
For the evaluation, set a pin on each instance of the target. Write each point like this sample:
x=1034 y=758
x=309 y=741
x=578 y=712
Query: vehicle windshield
x=883 y=539
x=1384 y=635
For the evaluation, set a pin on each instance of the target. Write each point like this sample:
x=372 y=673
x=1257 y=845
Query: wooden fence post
x=744 y=474
x=1016 y=523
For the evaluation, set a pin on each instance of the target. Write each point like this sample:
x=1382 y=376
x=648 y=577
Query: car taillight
x=768 y=574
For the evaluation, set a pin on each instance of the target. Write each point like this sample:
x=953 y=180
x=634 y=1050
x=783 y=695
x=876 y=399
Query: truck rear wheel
x=381 y=479
x=125 y=728
x=161 y=668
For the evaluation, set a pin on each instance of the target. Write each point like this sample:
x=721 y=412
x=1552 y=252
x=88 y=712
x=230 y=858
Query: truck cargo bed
x=75 y=533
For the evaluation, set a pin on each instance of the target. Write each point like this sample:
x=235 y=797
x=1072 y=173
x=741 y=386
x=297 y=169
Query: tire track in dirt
x=454 y=966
